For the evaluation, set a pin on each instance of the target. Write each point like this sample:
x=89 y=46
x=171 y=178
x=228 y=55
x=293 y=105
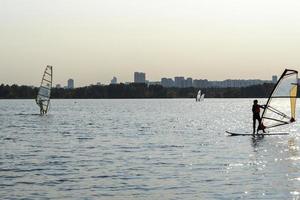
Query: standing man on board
x=40 y=103
x=256 y=116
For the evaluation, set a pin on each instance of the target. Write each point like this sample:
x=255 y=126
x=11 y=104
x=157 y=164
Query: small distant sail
x=43 y=97
x=202 y=97
x=281 y=105
x=198 y=97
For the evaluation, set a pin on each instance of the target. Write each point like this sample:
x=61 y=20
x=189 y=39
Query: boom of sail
x=281 y=105
x=43 y=96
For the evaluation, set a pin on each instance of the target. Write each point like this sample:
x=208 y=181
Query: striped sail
x=43 y=96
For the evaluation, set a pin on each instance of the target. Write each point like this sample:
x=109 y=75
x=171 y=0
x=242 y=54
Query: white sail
x=198 y=96
x=202 y=97
x=43 y=96
x=281 y=106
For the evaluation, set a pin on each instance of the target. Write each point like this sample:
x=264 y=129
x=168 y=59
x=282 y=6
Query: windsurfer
x=40 y=103
x=256 y=116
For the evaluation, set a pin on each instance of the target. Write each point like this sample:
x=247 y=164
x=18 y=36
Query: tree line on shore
x=135 y=90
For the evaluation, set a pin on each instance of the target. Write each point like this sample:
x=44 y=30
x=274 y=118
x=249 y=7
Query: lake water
x=143 y=149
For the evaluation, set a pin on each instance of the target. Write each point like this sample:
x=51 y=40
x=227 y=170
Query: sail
x=43 y=97
x=202 y=97
x=198 y=96
x=281 y=105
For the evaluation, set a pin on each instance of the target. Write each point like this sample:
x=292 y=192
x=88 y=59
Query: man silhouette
x=256 y=116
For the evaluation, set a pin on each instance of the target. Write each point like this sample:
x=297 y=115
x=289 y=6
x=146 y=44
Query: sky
x=93 y=40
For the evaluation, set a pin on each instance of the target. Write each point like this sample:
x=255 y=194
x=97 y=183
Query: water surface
x=143 y=149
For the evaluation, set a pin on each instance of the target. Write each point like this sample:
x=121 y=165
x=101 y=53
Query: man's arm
x=263 y=106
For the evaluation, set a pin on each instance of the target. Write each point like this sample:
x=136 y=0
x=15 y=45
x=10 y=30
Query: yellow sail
x=293 y=99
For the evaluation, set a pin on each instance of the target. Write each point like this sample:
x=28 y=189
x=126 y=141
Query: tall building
x=139 y=77
x=114 y=80
x=274 y=79
x=70 y=83
x=179 y=81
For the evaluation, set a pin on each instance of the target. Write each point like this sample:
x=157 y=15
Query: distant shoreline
x=134 y=98
x=136 y=91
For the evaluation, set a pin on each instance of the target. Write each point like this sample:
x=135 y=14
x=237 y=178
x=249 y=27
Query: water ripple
x=142 y=149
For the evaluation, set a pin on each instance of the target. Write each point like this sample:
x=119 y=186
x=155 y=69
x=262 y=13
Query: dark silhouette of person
x=40 y=103
x=256 y=116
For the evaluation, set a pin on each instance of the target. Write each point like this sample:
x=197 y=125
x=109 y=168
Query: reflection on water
x=143 y=149
x=256 y=140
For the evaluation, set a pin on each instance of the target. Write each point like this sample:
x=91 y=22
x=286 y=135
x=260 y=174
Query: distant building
x=58 y=86
x=114 y=80
x=188 y=82
x=274 y=79
x=235 y=83
x=98 y=83
x=201 y=83
x=167 y=82
x=70 y=83
x=139 y=77
x=179 y=81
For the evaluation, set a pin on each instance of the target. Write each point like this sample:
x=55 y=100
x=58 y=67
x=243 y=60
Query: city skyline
x=92 y=41
x=179 y=81
x=107 y=80
x=140 y=77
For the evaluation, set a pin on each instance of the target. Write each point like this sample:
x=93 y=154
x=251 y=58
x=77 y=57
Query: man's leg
x=260 y=126
x=254 y=125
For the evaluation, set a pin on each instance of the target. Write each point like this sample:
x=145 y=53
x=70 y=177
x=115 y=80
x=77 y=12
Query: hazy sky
x=93 y=40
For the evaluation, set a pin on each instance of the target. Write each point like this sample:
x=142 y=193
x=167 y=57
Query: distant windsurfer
x=256 y=116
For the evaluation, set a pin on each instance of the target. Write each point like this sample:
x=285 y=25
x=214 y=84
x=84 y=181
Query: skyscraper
x=139 y=77
x=70 y=83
